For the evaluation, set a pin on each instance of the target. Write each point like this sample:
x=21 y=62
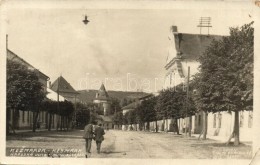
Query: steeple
x=102 y=93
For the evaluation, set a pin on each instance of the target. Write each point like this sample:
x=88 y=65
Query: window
x=219 y=120
x=214 y=120
x=199 y=119
x=250 y=119
x=241 y=121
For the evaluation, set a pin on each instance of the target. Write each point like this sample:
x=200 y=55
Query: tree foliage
x=24 y=91
x=146 y=111
x=225 y=80
x=173 y=103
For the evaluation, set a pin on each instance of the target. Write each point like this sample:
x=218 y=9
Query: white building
x=183 y=52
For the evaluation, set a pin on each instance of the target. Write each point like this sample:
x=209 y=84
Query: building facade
x=183 y=52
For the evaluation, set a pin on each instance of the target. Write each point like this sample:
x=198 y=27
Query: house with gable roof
x=24 y=119
x=183 y=52
x=63 y=88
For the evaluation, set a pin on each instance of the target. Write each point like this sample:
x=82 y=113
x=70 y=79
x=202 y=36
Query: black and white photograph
x=129 y=81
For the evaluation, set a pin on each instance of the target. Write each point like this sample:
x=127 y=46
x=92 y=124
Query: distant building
x=136 y=103
x=63 y=88
x=24 y=119
x=103 y=100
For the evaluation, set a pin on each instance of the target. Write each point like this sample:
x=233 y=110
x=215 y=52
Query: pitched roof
x=102 y=93
x=63 y=86
x=193 y=45
x=14 y=57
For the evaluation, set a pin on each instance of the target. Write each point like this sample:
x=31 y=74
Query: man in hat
x=88 y=136
x=99 y=132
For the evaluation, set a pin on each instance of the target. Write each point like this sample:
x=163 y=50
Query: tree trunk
x=8 y=123
x=58 y=122
x=236 y=129
x=186 y=125
x=148 y=126
x=49 y=121
x=35 y=119
x=166 y=128
x=176 y=126
x=200 y=134
x=156 y=126
x=190 y=125
x=67 y=120
x=205 y=125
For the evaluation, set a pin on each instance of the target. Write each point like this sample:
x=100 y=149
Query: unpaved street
x=133 y=144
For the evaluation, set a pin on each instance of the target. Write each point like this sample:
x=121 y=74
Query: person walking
x=88 y=136
x=99 y=132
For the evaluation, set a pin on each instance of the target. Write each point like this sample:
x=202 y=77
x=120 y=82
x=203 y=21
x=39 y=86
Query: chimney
x=174 y=29
x=177 y=39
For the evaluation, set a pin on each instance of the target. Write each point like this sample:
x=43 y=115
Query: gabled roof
x=193 y=45
x=14 y=57
x=102 y=93
x=190 y=46
x=63 y=86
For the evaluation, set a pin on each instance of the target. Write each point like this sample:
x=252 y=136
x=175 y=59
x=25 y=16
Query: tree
x=123 y=102
x=173 y=103
x=146 y=112
x=115 y=105
x=230 y=60
x=24 y=91
x=131 y=117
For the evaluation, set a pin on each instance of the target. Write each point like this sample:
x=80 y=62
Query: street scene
x=129 y=83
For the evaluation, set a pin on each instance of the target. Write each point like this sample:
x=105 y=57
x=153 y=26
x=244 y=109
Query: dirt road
x=133 y=144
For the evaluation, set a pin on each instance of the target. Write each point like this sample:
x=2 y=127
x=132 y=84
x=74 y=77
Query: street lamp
x=86 y=21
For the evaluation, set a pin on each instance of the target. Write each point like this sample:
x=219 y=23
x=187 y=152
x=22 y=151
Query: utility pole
x=190 y=118
x=187 y=102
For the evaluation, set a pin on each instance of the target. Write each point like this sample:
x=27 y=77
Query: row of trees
x=170 y=103
x=25 y=93
x=224 y=83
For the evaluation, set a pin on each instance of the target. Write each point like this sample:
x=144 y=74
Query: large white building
x=183 y=52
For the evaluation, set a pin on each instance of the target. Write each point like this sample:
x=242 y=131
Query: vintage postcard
x=158 y=82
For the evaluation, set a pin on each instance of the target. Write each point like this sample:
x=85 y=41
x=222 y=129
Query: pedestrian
x=99 y=132
x=88 y=136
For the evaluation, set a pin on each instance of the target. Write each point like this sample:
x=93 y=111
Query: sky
x=124 y=48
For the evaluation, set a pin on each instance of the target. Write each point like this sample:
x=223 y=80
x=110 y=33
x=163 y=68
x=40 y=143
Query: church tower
x=102 y=98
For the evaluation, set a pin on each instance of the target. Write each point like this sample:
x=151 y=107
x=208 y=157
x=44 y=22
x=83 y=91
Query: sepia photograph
x=127 y=81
